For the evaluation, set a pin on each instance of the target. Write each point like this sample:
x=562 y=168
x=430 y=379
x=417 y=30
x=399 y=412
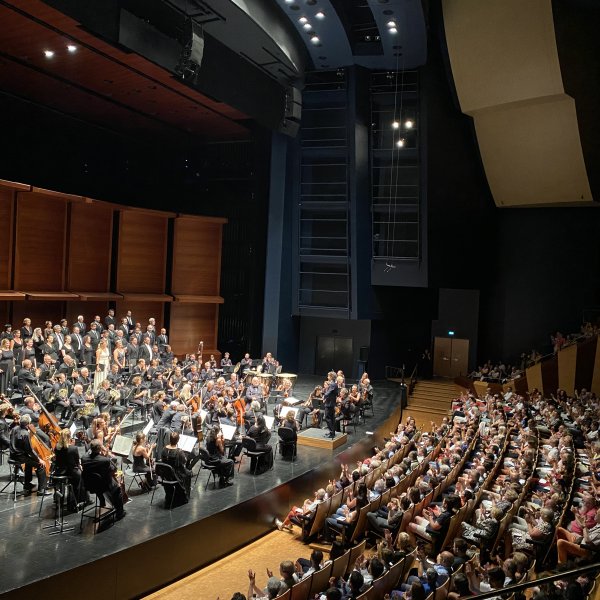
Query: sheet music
x=148 y=427
x=228 y=431
x=122 y=445
x=287 y=409
x=292 y=400
x=269 y=421
x=187 y=442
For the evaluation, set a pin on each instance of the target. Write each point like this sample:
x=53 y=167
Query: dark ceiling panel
x=99 y=81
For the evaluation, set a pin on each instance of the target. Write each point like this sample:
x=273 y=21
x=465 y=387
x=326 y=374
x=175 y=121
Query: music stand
x=122 y=446
x=148 y=427
x=270 y=421
x=292 y=400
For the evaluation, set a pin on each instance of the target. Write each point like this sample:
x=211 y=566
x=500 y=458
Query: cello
x=47 y=422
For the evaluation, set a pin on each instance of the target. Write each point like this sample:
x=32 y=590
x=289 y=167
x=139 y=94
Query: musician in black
x=21 y=451
x=246 y=362
x=77 y=402
x=110 y=318
x=329 y=397
x=104 y=467
x=254 y=392
x=215 y=446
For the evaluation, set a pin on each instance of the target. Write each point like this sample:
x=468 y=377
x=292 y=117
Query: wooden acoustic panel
x=550 y=375
x=6 y=239
x=534 y=377
x=4 y=310
x=586 y=355
x=595 y=387
x=567 y=366
x=38 y=312
x=141 y=312
x=192 y=323
x=141 y=264
x=88 y=309
x=40 y=242
x=90 y=247
x=196 y=256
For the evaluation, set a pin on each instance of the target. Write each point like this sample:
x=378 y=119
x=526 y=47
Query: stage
x=153 y=546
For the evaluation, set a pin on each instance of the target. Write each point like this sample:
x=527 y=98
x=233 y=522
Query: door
x=460 y=357
x=334 y=353
x=450 y=357
x=442 y=355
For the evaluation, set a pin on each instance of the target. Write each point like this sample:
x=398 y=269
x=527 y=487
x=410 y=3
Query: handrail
x=536 y=582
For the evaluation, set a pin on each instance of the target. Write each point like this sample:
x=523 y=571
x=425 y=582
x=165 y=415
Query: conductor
x=329 y=397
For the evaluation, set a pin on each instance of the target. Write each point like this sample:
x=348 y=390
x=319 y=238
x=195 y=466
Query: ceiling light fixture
x=71 y=48
x=289 y=1
x=395 y=125
x=400 y=143
x=48 y=53
x=315 y=40
x=409 y=124
x=391 y=23
x=307 y=26
x=320 y=15
x=393 y=30
x=303 y=20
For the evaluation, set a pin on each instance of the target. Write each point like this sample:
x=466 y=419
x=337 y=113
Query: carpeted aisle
x=230 y=574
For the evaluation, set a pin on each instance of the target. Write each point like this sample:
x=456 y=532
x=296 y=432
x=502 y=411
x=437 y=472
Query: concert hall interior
x=276 y=275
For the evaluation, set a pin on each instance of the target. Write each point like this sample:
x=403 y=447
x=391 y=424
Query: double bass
x=49 y=425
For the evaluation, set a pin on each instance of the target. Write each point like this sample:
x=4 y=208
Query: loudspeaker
x=197 y=50
x=364 y=353
x=293 y=104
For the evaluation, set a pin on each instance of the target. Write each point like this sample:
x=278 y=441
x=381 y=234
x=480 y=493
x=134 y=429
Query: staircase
x=431 y=400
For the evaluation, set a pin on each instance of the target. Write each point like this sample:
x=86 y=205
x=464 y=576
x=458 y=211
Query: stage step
x=431 y=400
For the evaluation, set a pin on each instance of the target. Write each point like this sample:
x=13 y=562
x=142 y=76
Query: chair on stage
x=205 y=465
x=98 y=512
x=166 y=477
x=250 y=449
x=287 y=443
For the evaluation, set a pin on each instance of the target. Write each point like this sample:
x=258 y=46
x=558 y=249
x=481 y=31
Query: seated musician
x=60 y=393
x=220 y=386
x=167 y=416
x=213 y=361
x=103 y=466
x=207 y=372
x=246 y=363
x=22 y=451
x=140 y=368
x=344 y=410
x=115 y=377
x=226 y=361
x=139 y=394
x=251 y=413
x=67 y=366
x=193 y=375
x=235 y=384
x=174 y=456
x=181 y=421
x=269 y=364
x=142 y=459
x=67 y=462
x=215 y=446
x=32 y=408
x=26 y=378
x=176 y=380
x=5 y=423
x=261 y=434
x=289 y=421
x=311 y=409
x=77 y=402
x=254 y=392
x=159 y=406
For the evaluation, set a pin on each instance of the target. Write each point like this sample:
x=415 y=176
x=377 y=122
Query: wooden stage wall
x=63 y=255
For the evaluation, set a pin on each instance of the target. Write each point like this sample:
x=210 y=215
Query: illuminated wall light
x=303 y=20
x=71 y=48
x=320 y=15
x=395 y=125
x=393 y=30
x=400 y=143
x=48 y=53
x=307 y=26
x=315 y=40
x=409 y=124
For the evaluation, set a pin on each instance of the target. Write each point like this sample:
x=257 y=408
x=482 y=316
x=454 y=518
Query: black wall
x=51 y=150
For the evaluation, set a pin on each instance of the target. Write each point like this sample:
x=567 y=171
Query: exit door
x=450 y=357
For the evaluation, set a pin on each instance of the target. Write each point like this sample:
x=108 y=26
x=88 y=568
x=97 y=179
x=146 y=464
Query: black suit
x=145 y=353
x=163 y=341
x=108 y=320
x=103 y=466
x=82 y=327
x=329 y=398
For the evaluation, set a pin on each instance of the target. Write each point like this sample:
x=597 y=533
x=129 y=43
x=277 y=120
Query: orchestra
x=80 y=385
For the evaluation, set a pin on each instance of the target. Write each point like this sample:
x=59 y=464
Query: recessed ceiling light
x=409 y=124
x=393 y=30
x=48 y=53
x=395 y=125
x=71 y=48
x=289 y=1
x=303 y=20
x=400 y=143
x=391 y=23
x=307 y=26
x=315 y=40
x=320 y=15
